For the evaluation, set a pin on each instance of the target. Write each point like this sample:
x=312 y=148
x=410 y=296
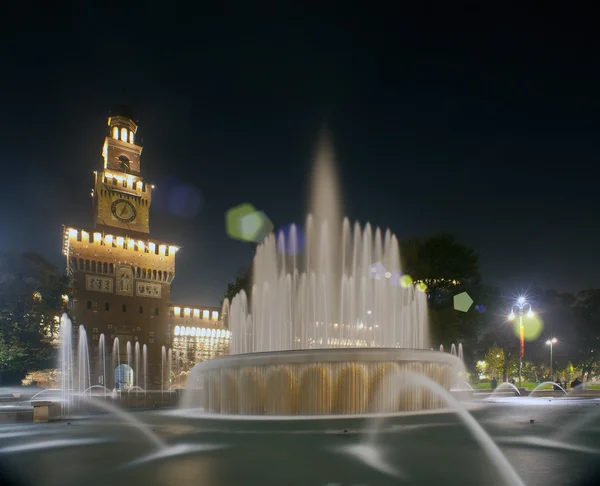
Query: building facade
x=122 y=278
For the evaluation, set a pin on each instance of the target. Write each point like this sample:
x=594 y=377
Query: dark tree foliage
x=31 y=291
x=447 y=267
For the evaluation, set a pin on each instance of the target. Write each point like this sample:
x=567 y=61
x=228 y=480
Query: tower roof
x=123 y=111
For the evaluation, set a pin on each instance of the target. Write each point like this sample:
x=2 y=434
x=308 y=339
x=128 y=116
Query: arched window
x=143 y=273
x=93 y=265
x=130 y=137
x=116 y=133
x=111 y=269
x=74 y=263
x=106 y=268
x=138 y=272
x=87 y=265
x=160 y=275
x=124 y=134
x=80 y=266
x=124 y=166
x=153 y=274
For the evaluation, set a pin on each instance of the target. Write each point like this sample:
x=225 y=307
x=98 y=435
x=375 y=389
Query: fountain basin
x=340 y=381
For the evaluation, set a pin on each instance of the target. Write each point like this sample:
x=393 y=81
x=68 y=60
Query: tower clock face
x=123 y=210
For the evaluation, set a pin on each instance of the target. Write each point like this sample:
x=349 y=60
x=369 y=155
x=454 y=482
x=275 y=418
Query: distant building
x=122 y=277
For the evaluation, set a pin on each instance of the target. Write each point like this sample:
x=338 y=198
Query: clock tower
x=121 y=276
x=121 y=197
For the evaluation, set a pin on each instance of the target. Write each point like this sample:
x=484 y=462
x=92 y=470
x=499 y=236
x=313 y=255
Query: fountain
x=323 y=327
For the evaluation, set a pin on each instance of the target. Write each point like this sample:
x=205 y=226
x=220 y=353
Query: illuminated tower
x=121 y=197
x=121 y=277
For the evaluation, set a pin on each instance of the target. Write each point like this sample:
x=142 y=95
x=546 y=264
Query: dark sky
x=479 y=122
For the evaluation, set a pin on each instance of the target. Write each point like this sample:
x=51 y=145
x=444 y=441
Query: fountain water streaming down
x=102 y=358
x=145 y=366
x=308 y=302
x=441 y=348
x=116 y=358
x=453 y=349
x=547 y=383
x=163 y=367
x=66 y=362
x=83 y=361
x=504 y=385
x=337 y=285
x=129 y=357
x=460 y=352
x=137 y=363
x=170 y=367
x=335 y=292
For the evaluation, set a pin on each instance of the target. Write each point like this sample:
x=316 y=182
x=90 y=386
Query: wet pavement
x=545 y=441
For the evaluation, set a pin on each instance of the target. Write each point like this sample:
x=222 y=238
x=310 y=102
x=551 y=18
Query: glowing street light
x=550 y=342
x=522 y=307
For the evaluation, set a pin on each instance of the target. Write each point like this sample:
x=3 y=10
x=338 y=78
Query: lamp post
x=522 y=307
x=550 y=342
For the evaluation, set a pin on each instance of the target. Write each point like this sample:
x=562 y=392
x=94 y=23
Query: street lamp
x=523 y=308
x=550 y=342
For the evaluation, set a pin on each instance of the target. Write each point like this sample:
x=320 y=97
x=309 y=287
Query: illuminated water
x=341 y=289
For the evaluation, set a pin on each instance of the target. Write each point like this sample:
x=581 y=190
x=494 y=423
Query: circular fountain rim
x=329 y=355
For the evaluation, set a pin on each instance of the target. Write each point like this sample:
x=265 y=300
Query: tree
x=585 y=332
x=31 y=299
x=494 y=361
x=243 y=281
x=447 y=268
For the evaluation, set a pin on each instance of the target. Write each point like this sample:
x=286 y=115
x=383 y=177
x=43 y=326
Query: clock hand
x=123 y=211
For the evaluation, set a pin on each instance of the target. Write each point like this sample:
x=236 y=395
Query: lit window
x=205 y=314
x=124 y=134
x=130 y=137
x=215 y=315
x=197 y=313
x=177 y=310
x=186 y=312
x=177 y=330
x=116 y=132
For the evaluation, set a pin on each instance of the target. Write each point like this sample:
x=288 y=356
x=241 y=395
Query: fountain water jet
x=137 y=363
x=337 y=292
x=547 y=383
x=102 y=356
x=506 y=384
x=145 y=365
x=412 y=380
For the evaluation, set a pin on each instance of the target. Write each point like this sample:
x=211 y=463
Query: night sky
x=460 y=120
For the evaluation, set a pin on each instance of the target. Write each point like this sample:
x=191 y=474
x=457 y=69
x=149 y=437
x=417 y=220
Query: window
x=152 y=334
x=110 y=326
x=130 y=137
x=139 y=329
x=141 y=310
x=116 y=132
x=156 y=311
x=89 y=304
x=106 y=306
x=124 y=308
x=151 y=341
x=171 y=312
x=95 y=306
x=123 y=134
x=95 y=330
